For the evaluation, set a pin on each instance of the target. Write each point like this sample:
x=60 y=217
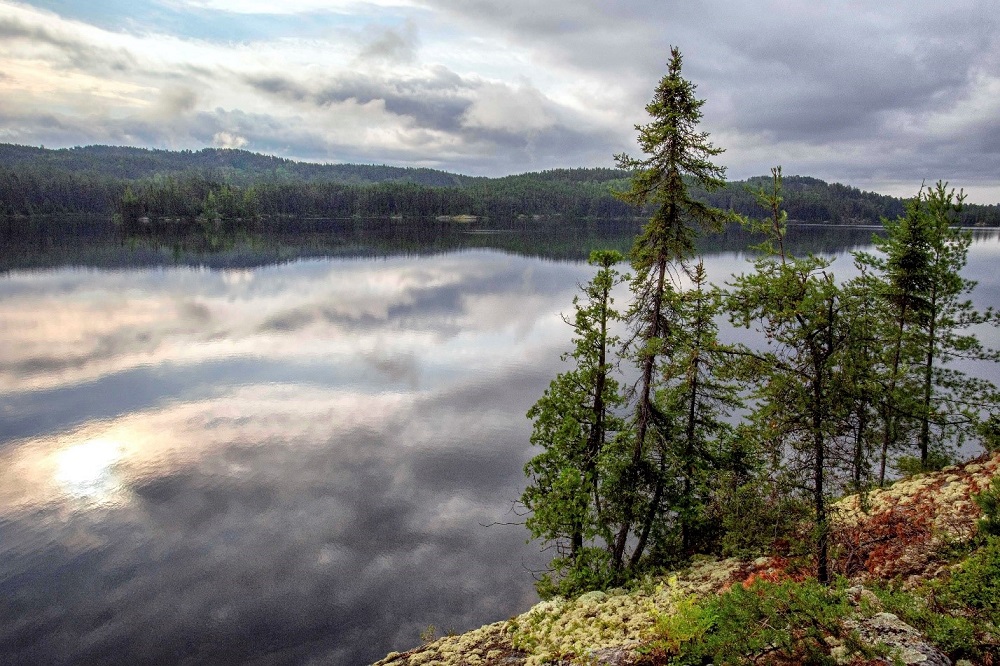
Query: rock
x=858 y=594
x=887 y=629
x=620 y=655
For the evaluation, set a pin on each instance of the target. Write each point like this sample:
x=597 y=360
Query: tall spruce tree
x=674 y=149
x=574 y=421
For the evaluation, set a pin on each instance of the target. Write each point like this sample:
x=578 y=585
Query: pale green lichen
x=571 y=630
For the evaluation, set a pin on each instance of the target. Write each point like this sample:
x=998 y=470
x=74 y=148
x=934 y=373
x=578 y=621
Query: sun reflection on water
x=87 y=470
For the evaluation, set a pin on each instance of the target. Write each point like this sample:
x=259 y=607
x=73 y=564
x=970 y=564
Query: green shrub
x=755 y=523
x=976 y=585
x=936 y=460
x=950 y=633
x=679 y=632
x=989 y=503
x=782 y=622
x=789 y=621
x=959 y=614
x=590 y=570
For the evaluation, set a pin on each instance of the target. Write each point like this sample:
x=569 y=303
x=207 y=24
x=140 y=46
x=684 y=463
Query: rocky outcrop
x=890 y=533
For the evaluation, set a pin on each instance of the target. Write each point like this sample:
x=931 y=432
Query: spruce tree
x=574 y=421
x=674 y=150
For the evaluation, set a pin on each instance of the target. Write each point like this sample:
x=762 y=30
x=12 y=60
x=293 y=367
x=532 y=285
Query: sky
x=883 y=96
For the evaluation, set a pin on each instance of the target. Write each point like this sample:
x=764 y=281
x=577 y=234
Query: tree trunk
x=644 y=409
x=925 y=411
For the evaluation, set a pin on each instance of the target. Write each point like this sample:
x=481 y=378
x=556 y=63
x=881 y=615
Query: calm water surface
x=281 y=449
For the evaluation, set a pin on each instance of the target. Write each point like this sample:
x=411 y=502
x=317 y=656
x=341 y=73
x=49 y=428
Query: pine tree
x=802 y=403
x=926 y=315
x=695 y=398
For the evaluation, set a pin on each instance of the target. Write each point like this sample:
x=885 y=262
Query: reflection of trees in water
x=88 y=241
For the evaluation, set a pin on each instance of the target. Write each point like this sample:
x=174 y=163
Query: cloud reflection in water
x=288 y=463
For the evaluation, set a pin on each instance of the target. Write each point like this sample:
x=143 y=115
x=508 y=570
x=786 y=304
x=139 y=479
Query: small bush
x=989 y=503
x=590 y=570
x=686 y=624
x=785 y=622
x=936 y=460
x=953 y=634
x=755 y=524
x=788 y=621
x=976 y=585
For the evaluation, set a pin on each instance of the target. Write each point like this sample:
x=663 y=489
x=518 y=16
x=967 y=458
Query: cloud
x=393 y=46
x=71 y=44
x=229 y=140
x=176 y=101
x=294 y=6
x=498 y=107
x=899 y=91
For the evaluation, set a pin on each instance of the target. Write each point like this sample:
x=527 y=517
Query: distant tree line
x=235 y=184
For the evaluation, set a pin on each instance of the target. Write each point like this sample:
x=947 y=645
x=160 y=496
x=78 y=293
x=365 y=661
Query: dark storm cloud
x=861 y=88
x=842 y=77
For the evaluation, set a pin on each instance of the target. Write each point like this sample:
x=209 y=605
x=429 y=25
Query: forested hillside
x=137 y=182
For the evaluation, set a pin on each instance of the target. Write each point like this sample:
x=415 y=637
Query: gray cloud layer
x=894 y=93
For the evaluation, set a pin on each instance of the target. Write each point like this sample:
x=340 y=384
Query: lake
x=284 y=447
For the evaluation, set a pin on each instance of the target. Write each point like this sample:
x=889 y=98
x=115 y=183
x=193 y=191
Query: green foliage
x=91 y=180
x=960 y=613
x=989 y=433
x=976 y=584
x=589 y=568
x=802 y=385
x=573 y=480
x=948 y=630
x=927 y=404
x=766 y=622
x=687 y=623
x=759 y=518
x=677 y=404
x=936 y=460
x=988 y=502
x=849 y=373
x=786 y=620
